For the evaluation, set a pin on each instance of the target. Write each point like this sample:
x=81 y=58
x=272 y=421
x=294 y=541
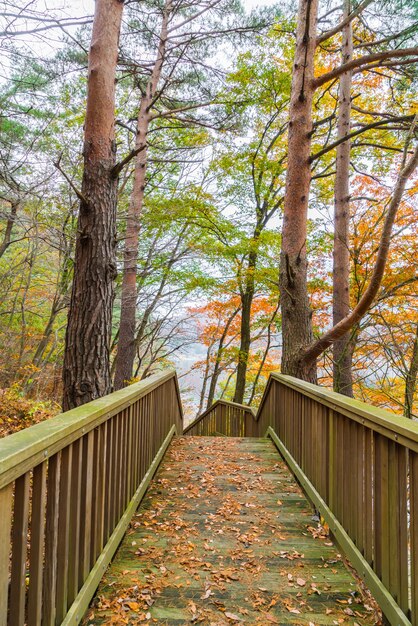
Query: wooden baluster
x=413 y=485
x=51 y=541
x=85 y=508
x=6 y=502
x=37 y=536
x=19 y=550
x=359 y=489
x=63 y=534
x=398 y=524
x=75 y=521
x=381 y=516
x=369 y=501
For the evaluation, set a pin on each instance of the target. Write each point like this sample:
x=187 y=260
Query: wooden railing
x=224 y=418
x=359 y=465
x=68 y=489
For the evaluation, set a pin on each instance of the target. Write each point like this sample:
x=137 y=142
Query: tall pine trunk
x=296 y=313
x=86 y=372
x=125 y=355
x=343 y=348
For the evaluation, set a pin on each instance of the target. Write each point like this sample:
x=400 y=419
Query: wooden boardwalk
x=225 y=536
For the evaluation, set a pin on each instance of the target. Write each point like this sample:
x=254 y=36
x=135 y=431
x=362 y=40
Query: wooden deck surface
x=225 y=536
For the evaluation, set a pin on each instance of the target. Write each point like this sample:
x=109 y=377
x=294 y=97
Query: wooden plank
x=63 y=540
x=37 y=537
x=381 y=518
x=27 y=448
x=108 y=480
x=369 y=471
x=100 y=492
x=391 y=425
x=51 y=542
x=6 y=501
x=75 y=521
x=359 y=504
x=19 y=549
x=153 y=532
x=413 y=469
x=85 y=508
x=388 y=605
x=398 y=525
x=81 y=603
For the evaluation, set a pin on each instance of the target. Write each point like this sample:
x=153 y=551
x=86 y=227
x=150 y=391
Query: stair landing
x=225 y=536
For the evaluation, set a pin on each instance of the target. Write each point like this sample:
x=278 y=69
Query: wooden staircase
x=226 y=536
x=226 y=524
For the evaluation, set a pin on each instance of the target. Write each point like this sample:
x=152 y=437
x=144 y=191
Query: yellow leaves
x=134 y=606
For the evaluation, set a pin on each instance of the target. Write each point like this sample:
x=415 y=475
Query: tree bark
x=86 y=371
x=7 y=237
x=342 y=348
x=411 y=380
x=296 y=313
x=125 y=355
x=247 y=297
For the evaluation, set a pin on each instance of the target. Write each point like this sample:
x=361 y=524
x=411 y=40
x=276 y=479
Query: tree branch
x=77 y=192
x=116 y=170
x=363 y=61
x=339 y=330
x=347 y=20
x=359 y=131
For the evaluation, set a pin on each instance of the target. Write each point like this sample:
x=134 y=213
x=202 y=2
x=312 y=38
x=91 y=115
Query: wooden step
x=225 y=536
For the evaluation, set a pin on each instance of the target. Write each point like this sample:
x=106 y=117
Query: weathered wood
x=6 y=500
x=37 y=533
x=23 y=450
x=81 y=603
x=63 y=540
x=83 y=481
x=227 y=418
x=414 y=535
x=388 y=605
x=19 y=548
x=51 y=542
x=229 y=523
x=396 y=427
x=75 y=521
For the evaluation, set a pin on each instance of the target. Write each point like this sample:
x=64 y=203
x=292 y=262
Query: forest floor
x=18 y=412
x=225 y=536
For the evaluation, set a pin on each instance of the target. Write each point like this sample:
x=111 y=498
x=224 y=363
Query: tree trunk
x=296 y=313
x=86 y=372
x=7 y=237
x=125 y=355
x=411 y=380
x=244 y=347
x=217 y=367
x=247 y=297
x=343 y=348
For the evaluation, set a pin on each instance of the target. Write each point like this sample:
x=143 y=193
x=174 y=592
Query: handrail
x=224 y=418
x=68 y=488
x=29 y=446
x=396 y=427
x=360 y=466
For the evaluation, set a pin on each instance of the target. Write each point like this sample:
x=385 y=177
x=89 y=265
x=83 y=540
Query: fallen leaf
x=234 y=617
x=134 y=606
